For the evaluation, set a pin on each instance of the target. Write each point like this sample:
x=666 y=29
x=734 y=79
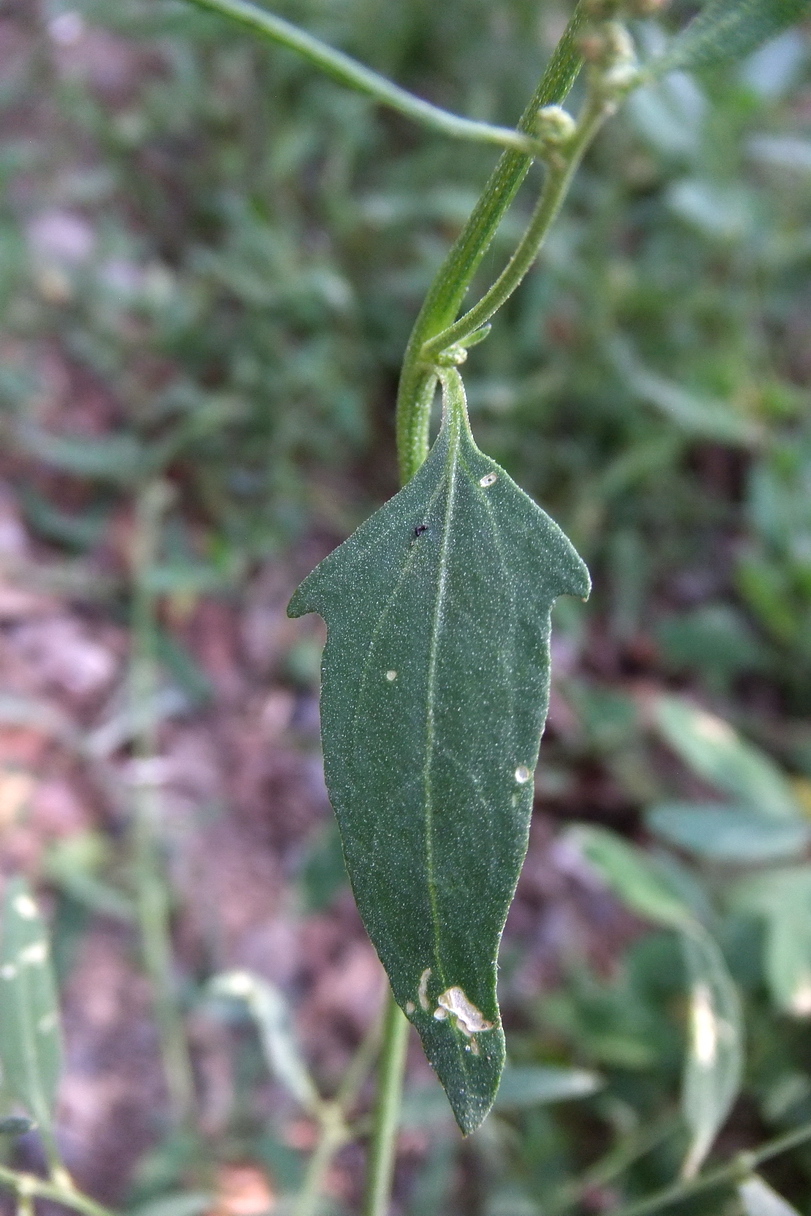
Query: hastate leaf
x=434 y=695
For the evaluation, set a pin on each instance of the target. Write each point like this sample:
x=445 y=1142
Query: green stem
x=561 y=169
x=448 y=289
x=354 y=75
x=28 y=1186
x=334 y=1134
x=739 y=1168
x=154 y=912
x=387 y=1110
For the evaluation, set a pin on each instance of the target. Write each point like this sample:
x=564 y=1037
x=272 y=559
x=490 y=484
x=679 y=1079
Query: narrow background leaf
x=759 y=1199
x=714 y=1062
x=732 y=834
x=271 y=1015
x=30 y=1041
x=716 y=752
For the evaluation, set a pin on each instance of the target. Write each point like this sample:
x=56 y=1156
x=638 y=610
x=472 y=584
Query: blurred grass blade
x=525 y=1087
x=30 y=1041
x=116 y=458
x=726 y=30
x=759 y=1199
x=714 y=1062
x=735 y=835
x=717 y=753
x=271 y=1015
x=697 y=414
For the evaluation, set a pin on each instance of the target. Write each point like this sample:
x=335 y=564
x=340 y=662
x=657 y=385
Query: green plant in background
x=436 y=670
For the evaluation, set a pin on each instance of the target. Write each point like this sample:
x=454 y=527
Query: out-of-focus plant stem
x=151 y=887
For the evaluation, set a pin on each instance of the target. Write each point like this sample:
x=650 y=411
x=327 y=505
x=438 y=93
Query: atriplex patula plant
x=436 y=670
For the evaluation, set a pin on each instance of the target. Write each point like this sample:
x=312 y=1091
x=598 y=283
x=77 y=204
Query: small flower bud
x=554 y=125
x=452 y=356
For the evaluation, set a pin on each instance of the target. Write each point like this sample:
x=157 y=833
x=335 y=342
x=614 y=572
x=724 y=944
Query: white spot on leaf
x=25 y=907
x=440 y=1014
x=422 y=991
x=522 y=774
x=33 y=955
x=468 y=1018
x=704 y=1027
x=713 y=729
x=391 y=675
x=489 y=479
x=801 y=998
x=410 y=1008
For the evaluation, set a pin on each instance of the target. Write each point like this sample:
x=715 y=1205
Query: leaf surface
x=435 y=685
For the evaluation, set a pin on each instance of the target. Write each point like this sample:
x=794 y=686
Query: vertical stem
x=151 y=892
x=387 y=1110
x=333 y=1136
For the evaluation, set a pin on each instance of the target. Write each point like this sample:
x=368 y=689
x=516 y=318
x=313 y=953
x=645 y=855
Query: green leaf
x=727 y=30
x=717 y=753
x=714 y=1062
x=631 y=876
x=759 y=1199
x=736 y=835
x=782 y=899
x=30 y=1041
x=434 y=695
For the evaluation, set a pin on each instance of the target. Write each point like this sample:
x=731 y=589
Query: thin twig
x=354 y=75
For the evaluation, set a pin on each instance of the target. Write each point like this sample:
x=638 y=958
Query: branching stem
x=28 y=1187
x=562 y=167
x=444 y=299
x=735 y=1171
